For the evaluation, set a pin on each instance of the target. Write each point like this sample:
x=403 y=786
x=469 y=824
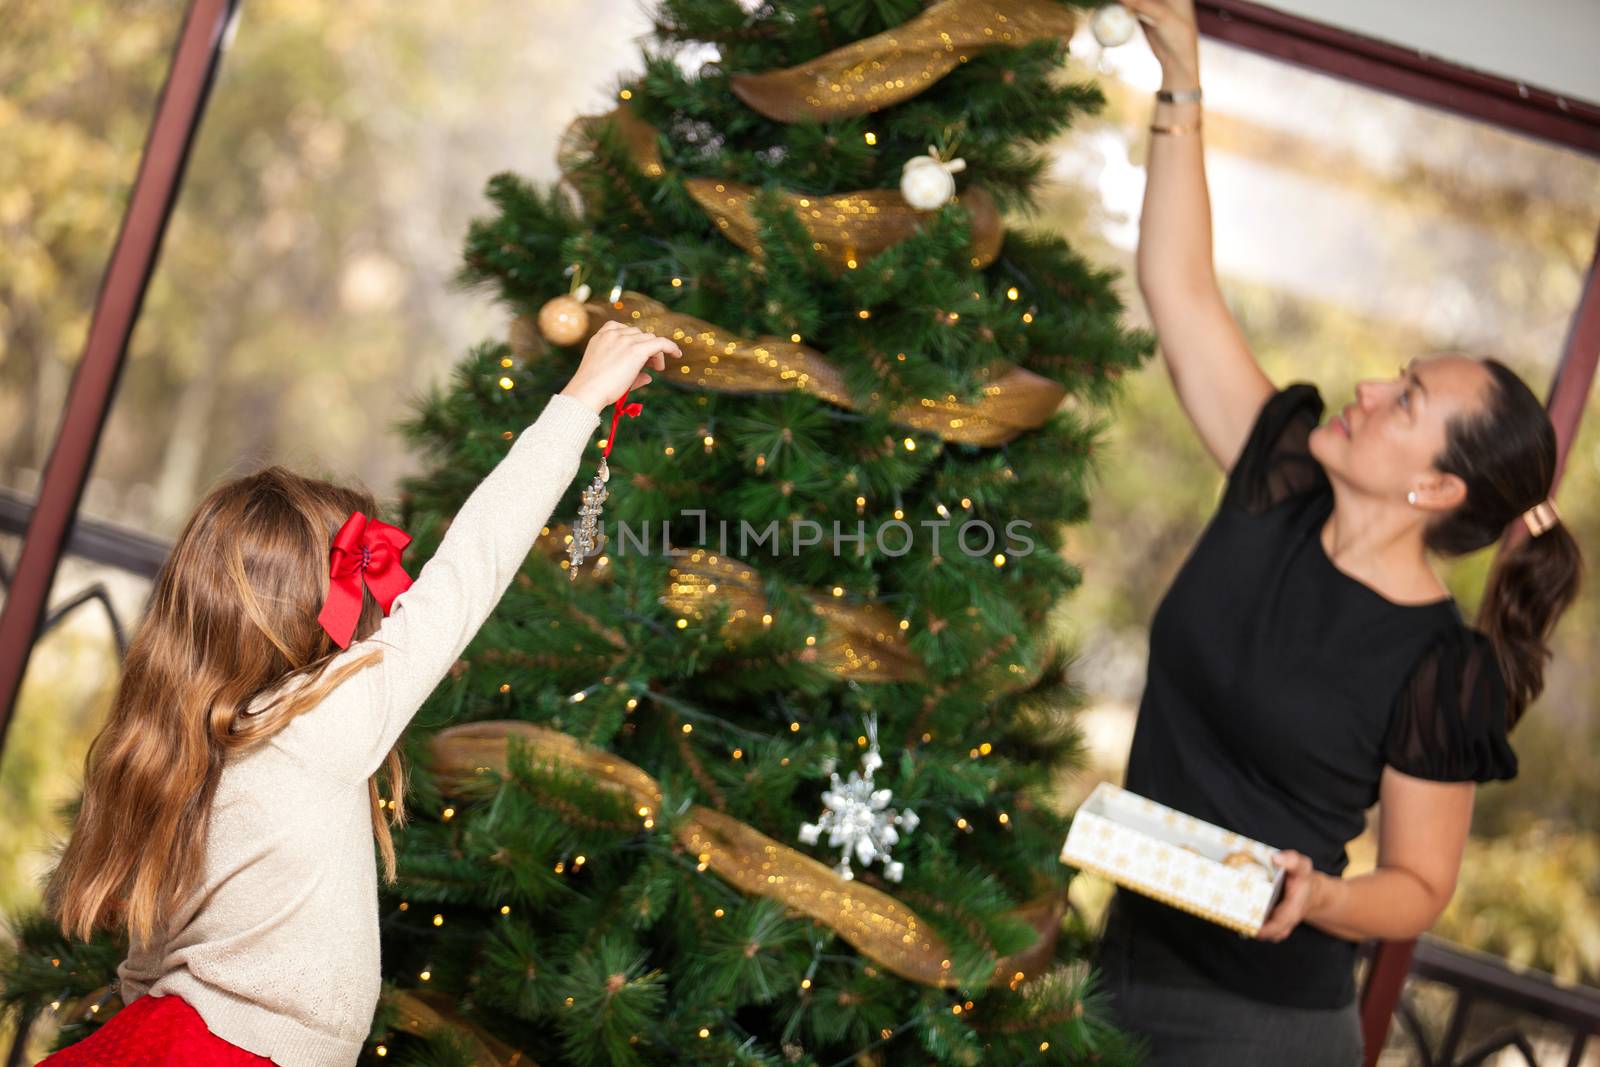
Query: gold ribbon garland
x=897 y=64
x=579 y=161
x=845 y=228
x=860 y=641
x=873 y=922
x=427 y=1013
x=640 y=138
x=720 y=360
x=1015 y=400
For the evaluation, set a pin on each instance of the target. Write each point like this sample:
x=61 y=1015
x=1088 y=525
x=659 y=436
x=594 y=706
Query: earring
x=1411 y=498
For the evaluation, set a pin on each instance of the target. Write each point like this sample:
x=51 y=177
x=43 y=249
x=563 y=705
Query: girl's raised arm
x=430 y=624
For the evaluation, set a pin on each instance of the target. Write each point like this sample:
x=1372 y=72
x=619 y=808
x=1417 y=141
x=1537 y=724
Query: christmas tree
x=768 y=778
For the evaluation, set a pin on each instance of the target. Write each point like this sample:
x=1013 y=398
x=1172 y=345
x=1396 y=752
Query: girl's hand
x=613 y=363
x=1301 y=885
x=1169 y=26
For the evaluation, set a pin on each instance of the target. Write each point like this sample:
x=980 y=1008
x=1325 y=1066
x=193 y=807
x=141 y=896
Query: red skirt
x=155 y=1032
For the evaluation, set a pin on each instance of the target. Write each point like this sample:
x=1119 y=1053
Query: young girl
x=231 y=800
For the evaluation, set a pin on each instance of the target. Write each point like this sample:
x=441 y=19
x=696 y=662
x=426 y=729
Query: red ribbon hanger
x=621 y=408
x=365 y=552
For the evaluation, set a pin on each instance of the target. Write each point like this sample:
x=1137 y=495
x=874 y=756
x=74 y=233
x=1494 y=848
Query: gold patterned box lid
x=1189 y=863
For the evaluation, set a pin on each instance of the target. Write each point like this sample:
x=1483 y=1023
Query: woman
x=1306 y=661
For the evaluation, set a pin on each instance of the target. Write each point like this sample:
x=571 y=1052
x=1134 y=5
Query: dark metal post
x=1386 y=977
x=1569 y=392
x=182 y=101
x=1404 y=72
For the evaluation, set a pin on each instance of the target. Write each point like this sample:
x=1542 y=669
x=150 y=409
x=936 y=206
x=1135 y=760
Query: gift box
x=1174 y=857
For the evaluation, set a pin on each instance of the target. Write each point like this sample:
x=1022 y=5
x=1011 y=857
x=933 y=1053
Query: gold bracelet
x=1190 y=127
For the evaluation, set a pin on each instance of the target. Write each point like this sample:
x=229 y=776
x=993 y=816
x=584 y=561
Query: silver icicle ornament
x=586 y=535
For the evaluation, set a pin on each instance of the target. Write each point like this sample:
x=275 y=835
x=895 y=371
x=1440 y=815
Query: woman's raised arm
x=1219 y=382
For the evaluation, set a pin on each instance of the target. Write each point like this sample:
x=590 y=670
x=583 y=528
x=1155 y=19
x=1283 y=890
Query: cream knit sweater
x=278 y=949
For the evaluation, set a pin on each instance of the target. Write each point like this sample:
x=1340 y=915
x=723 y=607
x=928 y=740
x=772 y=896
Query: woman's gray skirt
x=1208 y=1026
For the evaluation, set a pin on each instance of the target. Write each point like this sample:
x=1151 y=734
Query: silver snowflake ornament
x=857 y=817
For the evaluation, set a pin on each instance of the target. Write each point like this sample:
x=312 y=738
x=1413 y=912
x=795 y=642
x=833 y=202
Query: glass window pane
x=305 y=292
x=65 y=695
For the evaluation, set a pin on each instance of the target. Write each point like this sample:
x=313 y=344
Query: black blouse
x=1278 y=689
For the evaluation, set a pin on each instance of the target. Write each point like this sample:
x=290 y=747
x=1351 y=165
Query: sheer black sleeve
x=1276 y=462
x=1449 y=719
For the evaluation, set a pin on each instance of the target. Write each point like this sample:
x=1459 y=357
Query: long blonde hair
x=232 y=616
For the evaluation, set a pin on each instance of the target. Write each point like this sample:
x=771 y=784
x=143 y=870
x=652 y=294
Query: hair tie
x=1541 y=517
x=365 y=552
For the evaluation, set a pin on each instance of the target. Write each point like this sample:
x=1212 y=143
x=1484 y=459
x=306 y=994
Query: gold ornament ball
x=563 y=321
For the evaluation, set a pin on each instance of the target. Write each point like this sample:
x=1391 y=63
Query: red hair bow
x=364 y=550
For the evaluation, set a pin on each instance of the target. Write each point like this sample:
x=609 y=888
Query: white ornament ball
x=926 y=183
x=1113 y=24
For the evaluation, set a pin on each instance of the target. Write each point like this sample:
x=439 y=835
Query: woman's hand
x=614 y=362
x=1169 y=26
x=1302 y=887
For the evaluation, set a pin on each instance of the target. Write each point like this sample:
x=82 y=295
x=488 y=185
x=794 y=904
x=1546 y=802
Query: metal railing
x=97 y=542
x=1477 y=980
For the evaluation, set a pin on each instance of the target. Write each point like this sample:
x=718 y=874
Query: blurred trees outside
x=304 y=298
x=304 y=295
x=78 y=82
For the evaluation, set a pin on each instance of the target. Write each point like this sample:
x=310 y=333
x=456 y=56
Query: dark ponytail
x=1506 y=454
x=1532 y=583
